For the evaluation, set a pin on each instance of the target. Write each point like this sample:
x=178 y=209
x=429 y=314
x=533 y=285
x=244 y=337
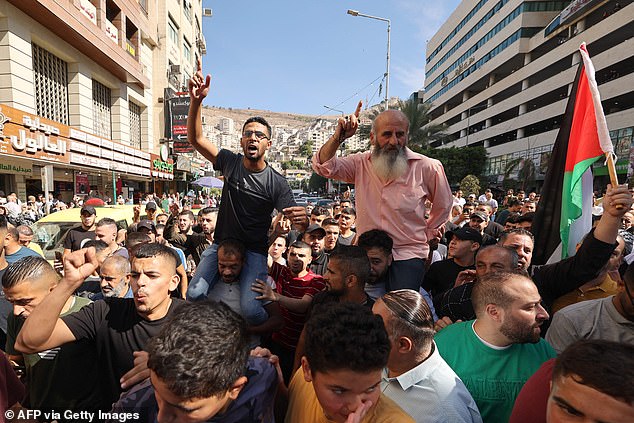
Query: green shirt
x=493 y=377
x=60 y=378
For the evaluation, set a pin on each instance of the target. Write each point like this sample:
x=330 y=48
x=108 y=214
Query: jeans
x=206 y=276
x=409 y=274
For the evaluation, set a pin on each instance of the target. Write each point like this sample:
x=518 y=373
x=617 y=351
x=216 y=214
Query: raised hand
x=615 y=197
x=347 y=127
x=199 y=84
x=78 y=265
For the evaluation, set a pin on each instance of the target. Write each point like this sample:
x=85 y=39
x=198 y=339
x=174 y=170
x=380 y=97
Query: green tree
x=317 y=182
x=470 y=185
x=306 y=149
x=458 y=162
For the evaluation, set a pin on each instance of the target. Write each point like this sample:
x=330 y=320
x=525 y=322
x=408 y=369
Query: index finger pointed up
x=356 y=112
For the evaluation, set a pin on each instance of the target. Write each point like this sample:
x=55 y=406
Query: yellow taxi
x=50 y=231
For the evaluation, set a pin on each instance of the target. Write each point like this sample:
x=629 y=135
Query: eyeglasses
x=259 y=135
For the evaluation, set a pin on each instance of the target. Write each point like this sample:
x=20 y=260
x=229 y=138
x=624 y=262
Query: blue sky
x=297 y=56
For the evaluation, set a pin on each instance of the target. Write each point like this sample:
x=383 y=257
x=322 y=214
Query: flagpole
x=614 y=180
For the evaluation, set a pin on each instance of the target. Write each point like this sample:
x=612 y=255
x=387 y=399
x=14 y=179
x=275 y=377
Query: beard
x=389 y=163
x=519 y=332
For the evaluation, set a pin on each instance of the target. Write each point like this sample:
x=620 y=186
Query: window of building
x=135 y=125
x=172 y=30
x=51 y=85
x=101 y=110
x=187 y=51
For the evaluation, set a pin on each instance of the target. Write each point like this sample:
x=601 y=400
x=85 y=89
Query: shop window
x=101 y=110
x=51 y=85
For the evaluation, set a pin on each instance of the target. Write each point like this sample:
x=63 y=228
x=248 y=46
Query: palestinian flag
x=564 y=214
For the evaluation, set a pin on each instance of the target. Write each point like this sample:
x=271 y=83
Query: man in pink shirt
x=392 y=184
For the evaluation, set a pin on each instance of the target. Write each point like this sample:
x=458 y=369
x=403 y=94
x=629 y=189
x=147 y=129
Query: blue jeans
x=409 y=274
x=206 y=276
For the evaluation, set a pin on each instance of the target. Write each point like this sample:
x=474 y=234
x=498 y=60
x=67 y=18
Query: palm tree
x=421 y=130
x=526 y=172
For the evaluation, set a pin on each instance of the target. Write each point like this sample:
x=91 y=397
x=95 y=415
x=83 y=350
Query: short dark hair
x=605 y=366
x=152 y=249
x=98 y=244
x=516 y=231
x=188 y=213
x=106 y=221
x=299 y=244
x=514 y=202
x=410 y=316
x=528 y=217
x=3 y=222
x=376 y=238
x=329 y=221
x=468 y=204
x=349 y=210
x=208 y=210
x=354 y=261
x=319 y=211
x=201 y=351
x=346 y=336
x=510 y=254
x=513 y=217
x=160 y=214
x=260 y=120
x=136 y=238
x=233 y=247
x=491 y=289
x=29 y=267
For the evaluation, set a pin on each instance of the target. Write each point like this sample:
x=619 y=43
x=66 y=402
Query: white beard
x=389 y=164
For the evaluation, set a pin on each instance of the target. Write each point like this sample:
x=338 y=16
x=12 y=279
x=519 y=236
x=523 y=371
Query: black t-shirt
x=248 y=199
x=117 y=330
x=441 y=276
x=77 y=237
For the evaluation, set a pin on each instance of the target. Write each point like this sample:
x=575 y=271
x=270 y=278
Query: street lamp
x=334 y=110
x=387 y=68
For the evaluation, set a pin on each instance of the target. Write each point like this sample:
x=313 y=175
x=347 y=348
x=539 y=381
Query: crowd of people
x=407 y=303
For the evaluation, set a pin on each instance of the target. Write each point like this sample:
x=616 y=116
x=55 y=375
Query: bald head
x=391 y=116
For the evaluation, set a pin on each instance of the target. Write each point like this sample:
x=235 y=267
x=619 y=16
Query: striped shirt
x=293 y=287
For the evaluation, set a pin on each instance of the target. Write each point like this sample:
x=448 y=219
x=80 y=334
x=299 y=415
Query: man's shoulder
x=584 y=308
x=451 y=332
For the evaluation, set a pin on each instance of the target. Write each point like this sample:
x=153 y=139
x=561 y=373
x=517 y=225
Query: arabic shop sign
x=16 y=168
x=159 y=165
x=33 y=137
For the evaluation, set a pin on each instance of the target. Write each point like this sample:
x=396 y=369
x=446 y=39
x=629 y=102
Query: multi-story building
x=84 y=69
x=179 y=45
x=226 y=125
x=498 y=73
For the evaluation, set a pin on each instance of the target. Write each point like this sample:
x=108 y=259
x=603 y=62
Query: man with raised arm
x=392 y=185
x=251 y=191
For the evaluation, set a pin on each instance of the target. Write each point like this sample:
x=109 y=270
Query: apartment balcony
x=100 y=29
